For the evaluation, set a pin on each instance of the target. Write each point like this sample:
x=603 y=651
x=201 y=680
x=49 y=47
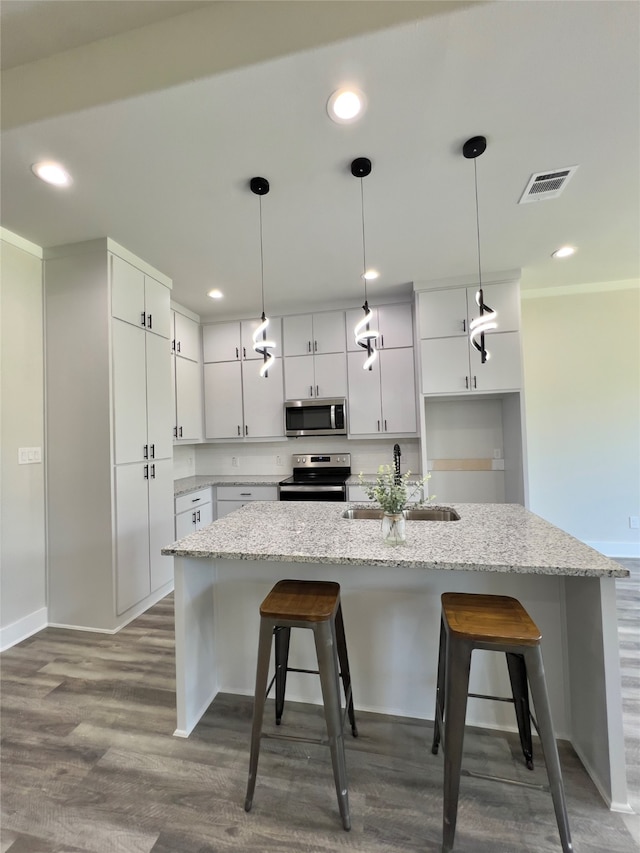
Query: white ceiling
x=165 y=173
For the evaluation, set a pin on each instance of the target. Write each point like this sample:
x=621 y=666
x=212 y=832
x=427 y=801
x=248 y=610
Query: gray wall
x=22 y=516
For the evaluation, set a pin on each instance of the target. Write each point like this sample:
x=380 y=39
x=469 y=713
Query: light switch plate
x=29 y=455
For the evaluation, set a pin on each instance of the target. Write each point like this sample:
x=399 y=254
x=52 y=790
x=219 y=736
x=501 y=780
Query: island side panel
x=595 y=685
x=196 y=660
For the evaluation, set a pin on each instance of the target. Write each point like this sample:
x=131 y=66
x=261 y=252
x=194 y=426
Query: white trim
x=132 y=614
x=180 y=309
x=21 y=243
x=627 y=550
x=23 y=628
x=574 y=289
x=106 y=244
x=614 y=805
x=497 y=277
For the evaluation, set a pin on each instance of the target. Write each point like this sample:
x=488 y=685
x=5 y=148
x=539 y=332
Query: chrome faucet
x=396 y=462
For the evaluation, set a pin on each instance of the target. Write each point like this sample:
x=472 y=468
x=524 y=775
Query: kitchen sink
x=431 y=513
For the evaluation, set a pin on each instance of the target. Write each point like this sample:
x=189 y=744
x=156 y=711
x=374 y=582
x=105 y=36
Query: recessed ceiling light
x=346 y=105
x=564 y=252
x=370 y=275
x=52 y=173
x=215 y=293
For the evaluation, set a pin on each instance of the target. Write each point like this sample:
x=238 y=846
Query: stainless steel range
x=317 y=477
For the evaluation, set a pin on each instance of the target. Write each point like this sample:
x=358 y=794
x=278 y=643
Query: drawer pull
x=245 y=494
x=195 y=500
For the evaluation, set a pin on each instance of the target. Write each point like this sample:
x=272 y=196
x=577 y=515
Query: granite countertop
x=487 y=538
x=200 y=481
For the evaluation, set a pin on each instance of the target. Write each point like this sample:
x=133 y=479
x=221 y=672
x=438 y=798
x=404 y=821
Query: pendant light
x=365 y=336
x=260 y=186
x=486 y=322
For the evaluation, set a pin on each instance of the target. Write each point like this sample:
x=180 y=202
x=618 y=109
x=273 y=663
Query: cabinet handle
x=245 y=494
x=180 y=432
x=145 y=473
x=317 y=390
x=378 y=426
x=237 y=353
x=145 y=451
x=153 y=451
x=175 y=432
x=385 y=425
x=308 y=346
x=315 y=346
x=244 y=352
x=382 y=341
x=143 y=319
x=153 y=472
x=466 y=382
x=150 y=323
x=173 y=346
x=195 y=500
x=311 y=390
x=178 y=346
x=239 y=433
x=198 y=514
x=475 y=383
x=246 y=430
x=193 y=517
x=464 y=325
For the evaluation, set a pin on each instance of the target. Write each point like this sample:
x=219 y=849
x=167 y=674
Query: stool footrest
x=538 y=787
x=494 y=698
x=298 y=738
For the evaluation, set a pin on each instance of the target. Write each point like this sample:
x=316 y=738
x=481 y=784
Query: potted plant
x=393 y=492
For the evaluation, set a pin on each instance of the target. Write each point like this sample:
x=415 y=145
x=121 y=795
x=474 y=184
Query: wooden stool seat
x=314 y=605
x=489 y=619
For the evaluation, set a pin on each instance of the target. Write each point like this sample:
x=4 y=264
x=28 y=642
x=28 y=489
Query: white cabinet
x=230 y=498
x=239 y=403
x=357 y=494
x=315 y=376
x=393 y=322
x=109 y=421
x=193 y=512
x=382 y=400
x=306 y=334
x=449 y=363
x=187 y=378
x=234 y=341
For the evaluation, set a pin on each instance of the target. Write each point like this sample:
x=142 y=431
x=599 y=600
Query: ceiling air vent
x=545 y=185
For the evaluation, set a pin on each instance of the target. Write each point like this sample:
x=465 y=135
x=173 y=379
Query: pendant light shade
x=261 y=344
x=365 y=336
x=486 y=322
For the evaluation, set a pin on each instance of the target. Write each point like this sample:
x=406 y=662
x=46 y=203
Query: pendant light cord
x=261 y=258
x=475 y=174
x=364 y=250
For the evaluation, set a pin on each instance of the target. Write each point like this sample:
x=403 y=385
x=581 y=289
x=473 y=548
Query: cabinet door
x=263 y=400
x=221 y=342
x=299 y=377
x=442 y=313
x=157 y=300
x=445 y=365
x=204 y=516
x=395 y=325
x=188 y=399
x=297 y=332
x=132 y=535
x=223 y=400
x=159 y=412
x=129 y=392
x=225 y=507
x=127 y=292
x=328 y=332
x=398 y=390
x=364 y=396
x=352 y=317
x=185 y=523
x=186 y=334
x=504 y=298
x=160 y=521
x=330 y=375
x=274 y=333
x=502 y=371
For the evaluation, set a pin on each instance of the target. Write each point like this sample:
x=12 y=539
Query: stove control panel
x=319 y=460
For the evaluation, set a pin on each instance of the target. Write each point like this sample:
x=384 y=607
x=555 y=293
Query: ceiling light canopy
x=215 y=293
x=346 y=105
x=52 y=173
x=564 y=252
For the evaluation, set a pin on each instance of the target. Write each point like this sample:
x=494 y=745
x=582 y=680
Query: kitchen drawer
x=193 y=500
x=247 y=493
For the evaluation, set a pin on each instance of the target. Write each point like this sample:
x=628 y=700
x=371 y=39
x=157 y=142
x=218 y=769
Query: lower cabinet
x=382 y=400
x=230 y=498
x=357 y=494
x=193 y=511
x=144 y=496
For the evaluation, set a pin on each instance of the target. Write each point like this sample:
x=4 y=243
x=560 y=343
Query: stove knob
x=304 y=460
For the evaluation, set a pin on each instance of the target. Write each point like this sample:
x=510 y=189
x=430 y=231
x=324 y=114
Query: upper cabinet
x=185 y=340
x=309 y=334
x=234 y=341
x=138 y=298
x=382 y=400
x=186 y=378
x=239 y=403
x=393 y=322
x=450 y=364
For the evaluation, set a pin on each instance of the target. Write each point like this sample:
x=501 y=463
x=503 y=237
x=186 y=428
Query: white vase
x=393 y=528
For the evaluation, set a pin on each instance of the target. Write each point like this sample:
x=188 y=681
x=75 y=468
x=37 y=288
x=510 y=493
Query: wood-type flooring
x=89 y=764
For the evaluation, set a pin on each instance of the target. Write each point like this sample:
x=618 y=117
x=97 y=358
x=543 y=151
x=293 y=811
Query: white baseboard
x=132 y=614
x=18 y=631
x=626 y=550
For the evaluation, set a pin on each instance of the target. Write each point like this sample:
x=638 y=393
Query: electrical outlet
x=279 y=461
x=634 y=522
x=235 y=462
x=497 y=453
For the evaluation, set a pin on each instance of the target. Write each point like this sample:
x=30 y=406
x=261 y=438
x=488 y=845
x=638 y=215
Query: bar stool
x=314 y=605
x=501 y=624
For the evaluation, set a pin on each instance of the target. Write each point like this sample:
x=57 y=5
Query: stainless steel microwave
x=315 y=417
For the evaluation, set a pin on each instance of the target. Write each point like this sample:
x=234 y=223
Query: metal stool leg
x=520 y=691
x=262 y=674
x=535 y=672
x=455 y=712
x=325 y=639
x=282 y=637
x=442 y=669
x=344 y=669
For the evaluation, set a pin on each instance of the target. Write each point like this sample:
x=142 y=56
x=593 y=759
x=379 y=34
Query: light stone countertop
x=200 y=481
x=487 y=538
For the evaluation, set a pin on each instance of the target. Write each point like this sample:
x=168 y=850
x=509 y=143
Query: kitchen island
x=391 y=603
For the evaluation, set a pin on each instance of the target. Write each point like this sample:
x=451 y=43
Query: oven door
x=311 y=492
